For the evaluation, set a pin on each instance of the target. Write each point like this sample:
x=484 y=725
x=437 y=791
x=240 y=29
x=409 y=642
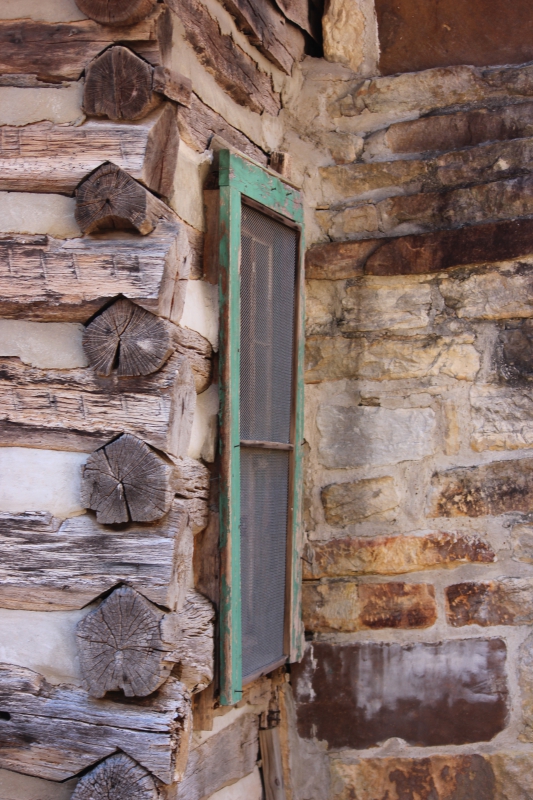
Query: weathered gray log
x=77 y=410
x=232 y=69
x=47 y=279
x=190 y=478
x=281 y=43
x=272 y=764
x=127 y=481
x=117 y=778
x=49 y=565
x=44 y=157
x=62 y=51
x=55 y=732
x=127 y=339
x=121 y=648
x=198 y=510
x=116 y=12
x=190 y=637
x=129 y=644
x=121 y=86
x=109 y=198
x=199 y=351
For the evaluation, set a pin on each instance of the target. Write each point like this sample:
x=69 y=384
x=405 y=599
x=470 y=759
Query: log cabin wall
x=417 y=567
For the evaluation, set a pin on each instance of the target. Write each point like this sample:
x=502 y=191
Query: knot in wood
x=117 y=778
x=109 y=198
x=127 y=481
x=121 y=647
x=127 y=339
x=119 y=85
x=116 y=12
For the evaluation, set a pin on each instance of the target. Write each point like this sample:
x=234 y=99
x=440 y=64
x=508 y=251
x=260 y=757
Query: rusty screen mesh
x=268 y=272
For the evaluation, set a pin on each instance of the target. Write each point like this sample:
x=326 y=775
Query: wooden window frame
x=242 y=181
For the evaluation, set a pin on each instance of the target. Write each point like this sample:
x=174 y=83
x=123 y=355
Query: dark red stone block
x=358 y=695
x=417 y=34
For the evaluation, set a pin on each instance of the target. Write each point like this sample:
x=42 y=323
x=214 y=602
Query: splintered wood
x=128 y=339
x=117 y=778
x=44 y=157
x=47 y=279
x=127 y=481
x=55 y=732
x=77 y=410
x=49 y=565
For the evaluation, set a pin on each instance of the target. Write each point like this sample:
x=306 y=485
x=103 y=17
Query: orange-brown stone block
x=504 y=602
x=394 y=555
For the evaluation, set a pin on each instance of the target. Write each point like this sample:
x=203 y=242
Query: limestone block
x=448 y=777
x=24 y=105
x=512 y=771
x=41 y=480
x=346 y=607
x=351 y=437
x=394 y=555
x=378 y=179
x=343 y=29
x=204 y=426
x=47 y=345
x=344 y=147
x=52 y=214
x=504 y=291
x=508 y=601
x=373 y=304
x=522 y=540
x=490 y=489
x=353 y=223
x=525 y=665
x=44 y=10
x=349 y=503
x=502 y=418
x=43 y=641
x=322 y=306
x=248 y=788
x=200 y=312
x=338 y=260
x=14 y=786
x=356 y=695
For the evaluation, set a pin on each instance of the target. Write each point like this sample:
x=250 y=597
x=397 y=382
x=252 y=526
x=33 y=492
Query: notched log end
x=109 y=199
x=117 y=778
x=118 y=85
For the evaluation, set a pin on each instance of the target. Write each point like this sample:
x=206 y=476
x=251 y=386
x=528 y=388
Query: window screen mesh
x=264 y=499
x=268 y=263
x=268 y=271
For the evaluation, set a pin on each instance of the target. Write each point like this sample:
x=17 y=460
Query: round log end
x=121 y=648
x=116 y=12
x=128 y=340
x=109 y=198
x=118 y=85
x=127 y=481
x=117 y=778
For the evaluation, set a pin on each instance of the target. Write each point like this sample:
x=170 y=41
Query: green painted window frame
x=241 y=180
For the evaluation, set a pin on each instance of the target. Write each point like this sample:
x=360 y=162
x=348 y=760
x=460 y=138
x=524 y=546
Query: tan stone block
x=373 y=304
x=508 y=601
x=351 y=223
x=522 y=539
x=503 y=291
x=525 y=677
x=502 y=418
x=349 y=32
x=489 y=489
x=394 y=555
x=512 y=772
x=333 y=358
x=344 y=147
x=329 y=607
x=449 y=777
x=349 y=503
x=322 y=306
x=353 y=181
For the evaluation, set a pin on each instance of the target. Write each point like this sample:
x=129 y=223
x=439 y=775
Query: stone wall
x=418 y=576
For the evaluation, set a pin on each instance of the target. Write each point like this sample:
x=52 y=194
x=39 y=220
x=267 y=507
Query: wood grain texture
x=191 y=478
x=77 y=410
x=267 y=29
x=44 y=157
x=116 y=12
x=199 y=351
x=46 y=279
x=117 y=778
x=173 y=85
x=62 y=51
x=118 y=85
x=128 y=340
x=127 y=481
x=55 y=732
x=189 y=634
x=271 y=757
x=297 y=11
x=232 y=69
x=120 y=646
x=49 y=565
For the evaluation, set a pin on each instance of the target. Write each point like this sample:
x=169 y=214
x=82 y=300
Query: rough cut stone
x=522 y=539
x=489 y=489
x=394 y=555
x=502 y=291
x=449 y=777
x=452 y=131
x=525 y=677
x=349 y=503
x=357 y=436
x=373 y=304
x=343 y=28
x=512 y=771
x=355 y=181
x=508 y=601
x=502 y=418
x=359 y=695
x=344 y=147
x=322 y=306
x=338 y=260
x=513 y=355
x=345 y=607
